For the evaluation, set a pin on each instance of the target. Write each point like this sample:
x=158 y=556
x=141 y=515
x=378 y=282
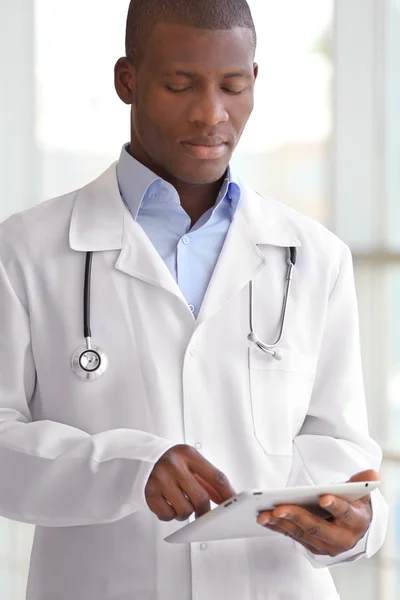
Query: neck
x=196 y=199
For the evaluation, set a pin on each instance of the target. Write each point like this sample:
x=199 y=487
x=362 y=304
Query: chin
x=201 y=174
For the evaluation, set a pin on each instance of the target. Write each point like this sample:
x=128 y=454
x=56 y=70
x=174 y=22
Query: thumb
x=369 y=475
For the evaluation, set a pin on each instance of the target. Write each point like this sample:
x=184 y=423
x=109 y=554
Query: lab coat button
x=197 y=445
x=203 y=546
x=192 y=352
x=185 y=240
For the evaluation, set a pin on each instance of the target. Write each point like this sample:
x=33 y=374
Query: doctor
x=132 y=408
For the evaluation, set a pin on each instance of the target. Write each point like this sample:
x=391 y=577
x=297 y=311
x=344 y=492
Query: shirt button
x=186 y=240
x=192 y=352
x=163 y=192
x=191 y=308
x=197 y=445
x=203 y=546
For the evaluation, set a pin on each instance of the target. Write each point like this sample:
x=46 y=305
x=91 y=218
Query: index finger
x=214 y=479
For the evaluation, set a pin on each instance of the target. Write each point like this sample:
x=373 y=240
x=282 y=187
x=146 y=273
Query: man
x=179 y=408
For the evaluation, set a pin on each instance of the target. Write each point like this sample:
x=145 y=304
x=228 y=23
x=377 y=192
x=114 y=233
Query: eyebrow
x=188 y=75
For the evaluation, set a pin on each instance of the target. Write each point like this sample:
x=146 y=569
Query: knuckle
x=314 y=531
x=151 y=489
x=173 y=455
x=166 y=518
x=183 y=515
x=183 y=452
x=346 y=516
x=221 y=478
x=298 y=534
x=158 y=472
x=295 y=518
x=202 y=500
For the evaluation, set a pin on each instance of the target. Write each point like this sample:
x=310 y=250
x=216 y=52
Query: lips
x=205 y=151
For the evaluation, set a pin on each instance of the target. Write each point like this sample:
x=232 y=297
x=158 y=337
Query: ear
x=124 y=80
x=255 y=70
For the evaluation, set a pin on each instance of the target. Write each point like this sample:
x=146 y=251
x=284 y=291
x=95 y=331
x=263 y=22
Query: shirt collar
x=137 y=183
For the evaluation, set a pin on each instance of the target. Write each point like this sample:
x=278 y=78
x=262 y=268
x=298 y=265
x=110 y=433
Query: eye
x=233 y=92
x=175 y=91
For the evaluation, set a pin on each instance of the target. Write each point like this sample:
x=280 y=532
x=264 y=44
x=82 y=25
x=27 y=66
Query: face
x=191 y=95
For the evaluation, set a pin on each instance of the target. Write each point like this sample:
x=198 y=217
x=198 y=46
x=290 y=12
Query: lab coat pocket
x=280 y=395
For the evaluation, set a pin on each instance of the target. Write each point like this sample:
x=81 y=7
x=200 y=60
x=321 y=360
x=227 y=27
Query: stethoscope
x=90 y=362
x=271 y=349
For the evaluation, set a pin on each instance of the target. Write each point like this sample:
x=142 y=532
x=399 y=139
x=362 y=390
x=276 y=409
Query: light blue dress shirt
x=190 y=253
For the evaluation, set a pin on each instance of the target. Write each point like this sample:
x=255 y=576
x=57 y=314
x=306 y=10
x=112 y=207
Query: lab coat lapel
x=140 y=259
x=100 y=221
x=257 y=224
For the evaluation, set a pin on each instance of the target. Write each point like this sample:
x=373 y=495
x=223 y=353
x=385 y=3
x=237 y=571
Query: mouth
x=203 y=152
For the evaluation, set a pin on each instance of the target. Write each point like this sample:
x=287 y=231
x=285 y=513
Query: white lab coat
x=75 y=456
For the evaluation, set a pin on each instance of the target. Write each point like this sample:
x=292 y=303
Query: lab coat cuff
x=367 y=546
x=139 y=497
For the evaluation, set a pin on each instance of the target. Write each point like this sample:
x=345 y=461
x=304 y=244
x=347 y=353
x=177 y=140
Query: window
x=324 y=138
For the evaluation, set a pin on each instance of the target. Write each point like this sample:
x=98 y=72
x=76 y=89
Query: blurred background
x=324 y=138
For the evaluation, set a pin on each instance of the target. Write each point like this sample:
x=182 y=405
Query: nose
x=209 y=109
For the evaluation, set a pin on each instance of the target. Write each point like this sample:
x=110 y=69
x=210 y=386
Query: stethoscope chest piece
x=89 y=364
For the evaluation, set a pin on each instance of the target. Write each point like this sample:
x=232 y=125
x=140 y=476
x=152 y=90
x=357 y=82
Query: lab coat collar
x=98 y=217
x=267 y=220
x=97 y=221
x=258 y=224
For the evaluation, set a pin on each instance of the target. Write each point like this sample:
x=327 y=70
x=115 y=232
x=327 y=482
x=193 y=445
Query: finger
x=212 y=476
x=369 y=475
x=295 y=527
x=197 y=495
x=290 y=530
x=159 y=506
x=340 y=509
x=215 y=497
x=179 y=502
x=344 y=512
x=316 y=530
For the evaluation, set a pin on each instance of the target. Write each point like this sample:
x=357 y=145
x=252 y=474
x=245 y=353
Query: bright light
x=79 y=42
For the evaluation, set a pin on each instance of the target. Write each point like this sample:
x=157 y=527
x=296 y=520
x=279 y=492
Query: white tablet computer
x=237 y=517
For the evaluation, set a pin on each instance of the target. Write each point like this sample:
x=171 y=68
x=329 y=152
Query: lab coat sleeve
x=52 y=474
x=334 y=442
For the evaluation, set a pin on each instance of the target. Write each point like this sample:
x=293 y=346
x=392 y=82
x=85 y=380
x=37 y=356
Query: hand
x=183 y=482
x=349 y=524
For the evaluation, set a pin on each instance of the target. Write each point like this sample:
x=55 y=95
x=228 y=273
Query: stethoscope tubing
x=89 y=362
x=253 y=337
x=90 y=353
x=87 y=333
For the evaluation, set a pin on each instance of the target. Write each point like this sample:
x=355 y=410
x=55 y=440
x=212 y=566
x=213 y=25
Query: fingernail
x=326 y=503
x=264 y=520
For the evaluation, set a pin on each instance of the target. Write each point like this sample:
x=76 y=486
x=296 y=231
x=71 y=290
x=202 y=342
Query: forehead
x=201 y=50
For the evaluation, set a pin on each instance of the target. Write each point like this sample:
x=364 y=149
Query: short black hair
x=144 y=15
